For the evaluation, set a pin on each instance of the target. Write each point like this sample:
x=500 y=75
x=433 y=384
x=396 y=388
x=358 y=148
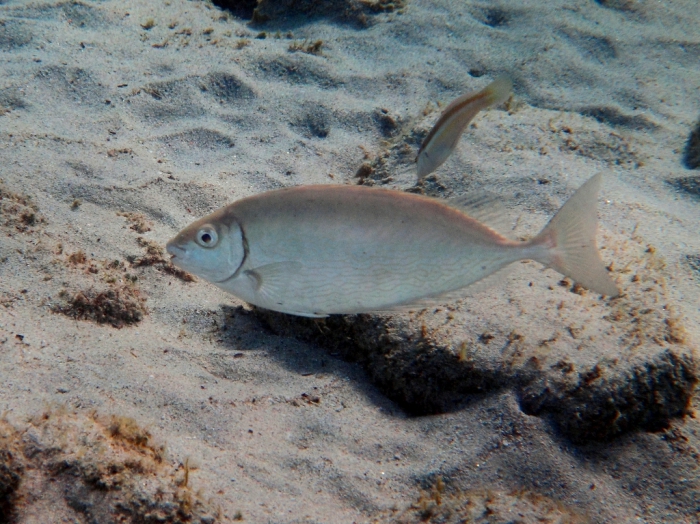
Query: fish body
x=445 y=134
x=320 y=250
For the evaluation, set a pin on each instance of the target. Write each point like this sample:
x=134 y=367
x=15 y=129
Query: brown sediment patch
x=155 y=256
x=18 y=212
x=648 y=382
x=138 y=221
x=598 y=144
x=118 y=305
x=312 y=48
x=379 y=169
x=483 y=507
x=112 y=296
x=403 y=138
x=103 y=469
x=644 y=315
x=77 y=258
x=112 y=153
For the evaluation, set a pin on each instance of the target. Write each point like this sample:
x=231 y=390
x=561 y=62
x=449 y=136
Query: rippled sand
x=130 y=391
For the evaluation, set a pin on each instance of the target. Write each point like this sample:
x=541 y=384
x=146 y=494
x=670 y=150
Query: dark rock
x=691 y=155
x=689 y=185
x=603 y=402
x=353 y=11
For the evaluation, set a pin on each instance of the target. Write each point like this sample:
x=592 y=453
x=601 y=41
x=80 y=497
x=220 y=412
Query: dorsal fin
x=485 y=207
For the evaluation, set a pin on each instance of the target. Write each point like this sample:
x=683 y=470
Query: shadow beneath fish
x=240 y=330
x=417 y=372
x=426 y=376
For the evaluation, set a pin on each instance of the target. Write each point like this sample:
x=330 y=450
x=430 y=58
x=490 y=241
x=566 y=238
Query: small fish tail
x=569 y=241
x=443 y=137
x=498 y=91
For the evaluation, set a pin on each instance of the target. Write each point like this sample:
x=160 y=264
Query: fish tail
x=498 y=91
x=569 y=244
x=443 y=137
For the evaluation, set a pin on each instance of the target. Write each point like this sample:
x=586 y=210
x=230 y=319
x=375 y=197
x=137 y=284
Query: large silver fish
x=444 y=135
x=318 y=250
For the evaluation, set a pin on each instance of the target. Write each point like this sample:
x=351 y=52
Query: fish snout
x=175 y=250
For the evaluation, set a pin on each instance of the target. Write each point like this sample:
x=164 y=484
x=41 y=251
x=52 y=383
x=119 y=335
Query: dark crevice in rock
x=691 y=154
x=619 y=5
x=352 y=11
x=240 y=8
x=11 y=471
x=494 y=17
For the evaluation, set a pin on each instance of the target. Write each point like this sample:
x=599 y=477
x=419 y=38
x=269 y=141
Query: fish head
x=212 y=248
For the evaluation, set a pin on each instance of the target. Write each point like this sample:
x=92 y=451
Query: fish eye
x=207 y=237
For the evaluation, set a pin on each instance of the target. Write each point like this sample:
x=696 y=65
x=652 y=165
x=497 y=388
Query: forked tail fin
x=569 y=241
x=499 y=90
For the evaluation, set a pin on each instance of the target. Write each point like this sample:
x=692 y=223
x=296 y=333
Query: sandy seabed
x=132 y=393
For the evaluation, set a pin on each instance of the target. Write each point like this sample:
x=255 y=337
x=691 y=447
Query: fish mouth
x=174 y=251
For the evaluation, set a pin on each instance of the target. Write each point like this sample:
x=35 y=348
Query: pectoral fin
x=271 y=279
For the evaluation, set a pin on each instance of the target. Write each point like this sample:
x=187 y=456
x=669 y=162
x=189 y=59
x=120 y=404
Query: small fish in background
x=320 y=250
x=443 y=137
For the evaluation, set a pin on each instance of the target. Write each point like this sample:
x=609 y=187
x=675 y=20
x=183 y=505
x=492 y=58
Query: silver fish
x=445 y=134
x=319 y=250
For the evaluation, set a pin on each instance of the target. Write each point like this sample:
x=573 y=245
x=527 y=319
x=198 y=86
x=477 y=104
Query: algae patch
x=18 y=212
x=118 y=306
x=112 y=296
x=483 y=507
x=155 y=256
x=137 y=221
x=103 y=469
